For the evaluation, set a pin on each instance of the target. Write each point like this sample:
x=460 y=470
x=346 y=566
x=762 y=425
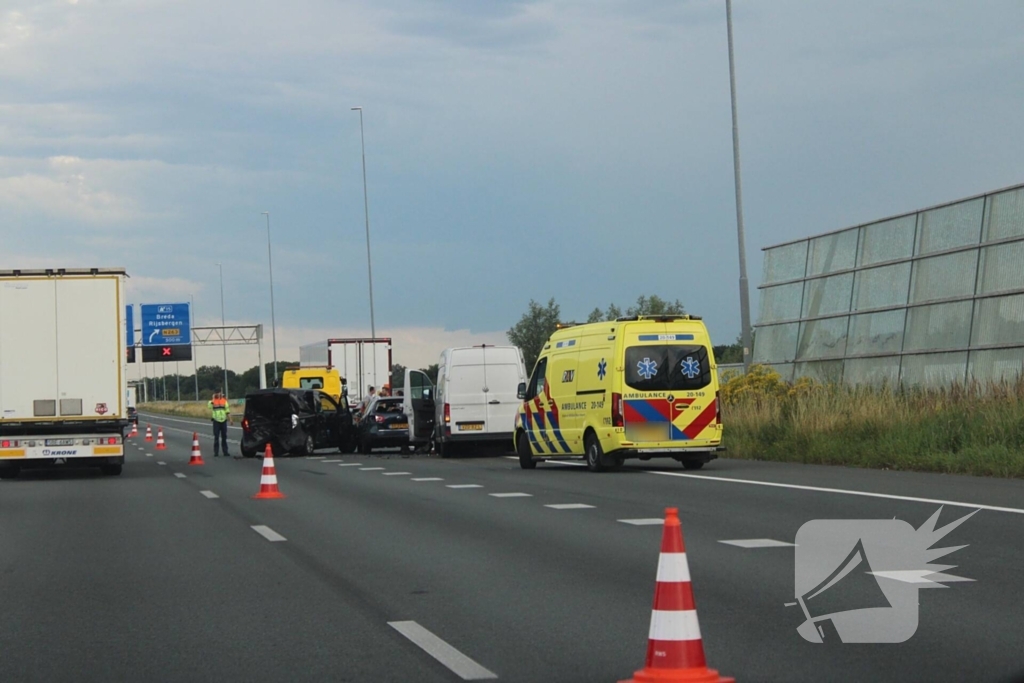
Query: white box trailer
x=362 y=363
x=62 y=368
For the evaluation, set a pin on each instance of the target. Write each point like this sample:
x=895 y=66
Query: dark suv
x=296 y=422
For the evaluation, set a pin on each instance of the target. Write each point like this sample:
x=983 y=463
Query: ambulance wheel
x=526 y=460
x=693 y=464
x=595 y=454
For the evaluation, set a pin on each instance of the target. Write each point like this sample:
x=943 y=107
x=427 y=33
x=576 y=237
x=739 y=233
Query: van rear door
x=668 y=395
x=503 y=371
x=465 y=392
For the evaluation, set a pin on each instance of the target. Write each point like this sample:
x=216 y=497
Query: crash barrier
x=197 y=456
x=268 y=480
x=675 y=651
x=160 y=444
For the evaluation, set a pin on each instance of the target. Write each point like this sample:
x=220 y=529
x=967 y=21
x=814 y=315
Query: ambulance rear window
x=667 y=368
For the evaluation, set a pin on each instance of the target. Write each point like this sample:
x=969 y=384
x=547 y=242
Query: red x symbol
x=166 y=351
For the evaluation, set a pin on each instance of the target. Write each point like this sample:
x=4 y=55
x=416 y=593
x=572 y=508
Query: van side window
x=537 y=381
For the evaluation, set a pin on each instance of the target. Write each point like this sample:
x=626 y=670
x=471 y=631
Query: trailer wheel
x=111 y=470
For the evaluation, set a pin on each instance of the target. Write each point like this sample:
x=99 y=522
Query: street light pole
x=223 y=341
x=273 y=321
x=369 y=265
x=195 y=360
x=740 y=237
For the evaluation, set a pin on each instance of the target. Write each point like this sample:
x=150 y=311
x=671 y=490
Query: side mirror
x=521 y=391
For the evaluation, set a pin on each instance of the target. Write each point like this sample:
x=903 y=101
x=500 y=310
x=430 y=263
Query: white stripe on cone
x=672 y=568
x=674 y=625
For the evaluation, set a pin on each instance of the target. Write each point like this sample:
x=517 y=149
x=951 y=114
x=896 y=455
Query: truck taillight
x=618 y=420
x=5 y=444
x=447 y=414
x=112 y=440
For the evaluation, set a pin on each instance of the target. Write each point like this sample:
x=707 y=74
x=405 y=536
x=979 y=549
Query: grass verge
x=973 y=429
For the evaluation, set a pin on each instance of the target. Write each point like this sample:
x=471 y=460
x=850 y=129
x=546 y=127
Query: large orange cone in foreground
x=197 y=457
x=160 y=445
x=675 y=651
x=149 y=433
x=268 y=482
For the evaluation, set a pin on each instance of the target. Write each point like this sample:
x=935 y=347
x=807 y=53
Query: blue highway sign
x=166 y=325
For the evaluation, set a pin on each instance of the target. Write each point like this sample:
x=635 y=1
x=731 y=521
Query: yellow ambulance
x=638 y=387
x=326 y=379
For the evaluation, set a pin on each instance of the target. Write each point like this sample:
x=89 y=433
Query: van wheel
x=526 y=460
x=595 y=454
x=444 y=449
x=248 y=453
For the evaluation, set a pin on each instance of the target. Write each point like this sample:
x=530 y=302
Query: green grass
x=975 y=430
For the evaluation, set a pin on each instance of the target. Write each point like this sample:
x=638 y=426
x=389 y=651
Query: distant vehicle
x=295 y=422
x=475 y=401
x=324 y=378
x=63 y=390
x=132 y=414
x=383 y=424
x=637 y=387
x=362 y=362
x=131 y=400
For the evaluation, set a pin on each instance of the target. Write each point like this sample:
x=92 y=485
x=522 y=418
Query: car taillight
x=617 y=413
x=379 y=419
x=718 y=407
x=447 y=414
x=245 y=425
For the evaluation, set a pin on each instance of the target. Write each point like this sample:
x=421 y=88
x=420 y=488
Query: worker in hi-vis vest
x=220 y=416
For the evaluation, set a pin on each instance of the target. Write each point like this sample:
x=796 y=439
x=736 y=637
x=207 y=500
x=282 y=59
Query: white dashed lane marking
x=395 y=474
x=458 y=663
x=160 y=462
x=650 y=521
x=209 y=494
x=759 y=543
x=511 y=495
x=465 y=486
x=370 y=469
x=351 y=464
x=268 y=533
x=326 y=461
x=569 y=506
x=179 y=475
x=427 y=479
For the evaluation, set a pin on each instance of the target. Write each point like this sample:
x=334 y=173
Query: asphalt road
x=148 y=576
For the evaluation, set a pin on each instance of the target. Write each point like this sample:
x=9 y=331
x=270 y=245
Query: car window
x=537 y=381
x=389 y=407
x=667 y=368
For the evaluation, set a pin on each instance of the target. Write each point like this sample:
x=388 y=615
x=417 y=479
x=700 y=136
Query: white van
x=475 y=400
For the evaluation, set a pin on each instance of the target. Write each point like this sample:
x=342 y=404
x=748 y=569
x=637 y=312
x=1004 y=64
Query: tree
x=534 y=328
x=397 y=376
x=595 y=316
x=431 y=372
x=655 y=305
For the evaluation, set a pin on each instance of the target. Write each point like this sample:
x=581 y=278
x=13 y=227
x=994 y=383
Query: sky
x=515 y=149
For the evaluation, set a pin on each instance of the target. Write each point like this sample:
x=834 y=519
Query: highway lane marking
x=511 y=495
x=464 y=486
x=179 y=475
x=326 y=461
x=209 y=494
x=759 y=543
x=569 y=506
x=648 y=521
x=370 y=469
x=149 y=455
x=351 y=464
x=318 y=457
x=456 y=662
x=268 y=533
x=160 y=462
x=427 y=479
x=847 y=492
x=394 y=474
x=550 y=462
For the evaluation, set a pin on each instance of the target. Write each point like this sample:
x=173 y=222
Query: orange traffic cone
x=149 y=433
x=197 y=457
x=675 y=651
x=135 y=430
x=268 y=482
x=160 y=445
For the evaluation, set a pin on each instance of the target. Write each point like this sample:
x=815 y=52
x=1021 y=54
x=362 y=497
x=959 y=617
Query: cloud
x=155 y=290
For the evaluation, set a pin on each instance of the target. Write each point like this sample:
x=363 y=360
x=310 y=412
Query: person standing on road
x=220 y=416
x=371 y=394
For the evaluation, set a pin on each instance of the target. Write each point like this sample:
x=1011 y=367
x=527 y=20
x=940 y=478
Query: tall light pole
x=273 y=321
x=223 y=340
x=740 y=237
x=195 y=360
x=369 y=265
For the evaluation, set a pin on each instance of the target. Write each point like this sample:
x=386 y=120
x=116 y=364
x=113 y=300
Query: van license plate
x=471 y=427
x=60 y=442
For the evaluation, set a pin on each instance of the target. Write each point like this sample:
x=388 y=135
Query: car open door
x=418 y=405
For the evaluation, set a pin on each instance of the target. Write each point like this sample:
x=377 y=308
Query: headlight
x=295 y=421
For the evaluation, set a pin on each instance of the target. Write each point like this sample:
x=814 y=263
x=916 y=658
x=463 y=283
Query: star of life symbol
x=857 y=580
x=647 y=368
x=602 y=369
x=691 y=368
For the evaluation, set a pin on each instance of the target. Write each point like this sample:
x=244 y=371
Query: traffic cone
x=675 y=651
x=268 y=481
x=160 y=445
x=197 y=457
x=149 y=433
x=135 y=430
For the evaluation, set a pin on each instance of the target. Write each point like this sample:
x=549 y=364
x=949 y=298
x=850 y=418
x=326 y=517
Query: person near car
x=371 y=394
x=220 y=416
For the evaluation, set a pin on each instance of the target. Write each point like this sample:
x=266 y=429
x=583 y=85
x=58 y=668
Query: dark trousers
x=220 y=431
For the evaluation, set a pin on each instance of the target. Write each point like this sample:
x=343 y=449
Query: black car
x=383 y=425
x=133 y=415
x=296 y=422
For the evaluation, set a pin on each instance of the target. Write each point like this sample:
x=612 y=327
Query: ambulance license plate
x=60 y=442
x=471 y=427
